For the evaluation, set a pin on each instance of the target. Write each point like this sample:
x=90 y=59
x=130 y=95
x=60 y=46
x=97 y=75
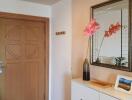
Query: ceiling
x=46 y=2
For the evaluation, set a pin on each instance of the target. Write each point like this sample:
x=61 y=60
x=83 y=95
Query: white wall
x=23 y=7
x=61 y=50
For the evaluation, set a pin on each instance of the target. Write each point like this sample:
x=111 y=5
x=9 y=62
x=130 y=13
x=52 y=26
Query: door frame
x=38 y=19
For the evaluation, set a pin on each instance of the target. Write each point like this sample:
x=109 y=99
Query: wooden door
x=24 y=48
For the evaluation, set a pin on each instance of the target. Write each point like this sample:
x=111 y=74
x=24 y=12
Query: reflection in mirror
x=110 y=43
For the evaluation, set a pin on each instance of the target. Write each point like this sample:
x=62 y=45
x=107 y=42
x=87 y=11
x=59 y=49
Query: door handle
x=1 y=67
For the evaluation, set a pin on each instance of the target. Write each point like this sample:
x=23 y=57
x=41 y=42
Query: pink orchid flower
x=91 y=28
x=112 y=29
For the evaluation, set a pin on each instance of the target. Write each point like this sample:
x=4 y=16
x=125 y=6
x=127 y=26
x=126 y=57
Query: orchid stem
x=100 y=47
x=87 y=49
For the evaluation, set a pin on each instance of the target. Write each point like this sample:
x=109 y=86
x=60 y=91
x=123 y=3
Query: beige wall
x=81 y=16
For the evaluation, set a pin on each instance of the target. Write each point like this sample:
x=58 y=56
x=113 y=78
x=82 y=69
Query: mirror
x=110 y=44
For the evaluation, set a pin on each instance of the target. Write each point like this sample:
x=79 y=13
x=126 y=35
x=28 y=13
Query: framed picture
x=124 y=84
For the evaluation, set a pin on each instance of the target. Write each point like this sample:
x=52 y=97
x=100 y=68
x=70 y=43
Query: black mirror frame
x=129 y=68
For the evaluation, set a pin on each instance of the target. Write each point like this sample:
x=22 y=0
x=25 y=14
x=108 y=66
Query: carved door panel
x=23 y=53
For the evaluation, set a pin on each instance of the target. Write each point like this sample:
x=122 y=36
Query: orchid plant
x=92 y=28
x=113 y=28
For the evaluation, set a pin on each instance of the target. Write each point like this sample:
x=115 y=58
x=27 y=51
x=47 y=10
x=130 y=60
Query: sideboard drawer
x=107 y=97
x=80 y=92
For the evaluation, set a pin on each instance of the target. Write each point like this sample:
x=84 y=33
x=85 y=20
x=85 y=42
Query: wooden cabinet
x=82 y=92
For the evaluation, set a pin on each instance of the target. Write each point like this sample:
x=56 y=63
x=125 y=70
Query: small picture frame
x=124 y=84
